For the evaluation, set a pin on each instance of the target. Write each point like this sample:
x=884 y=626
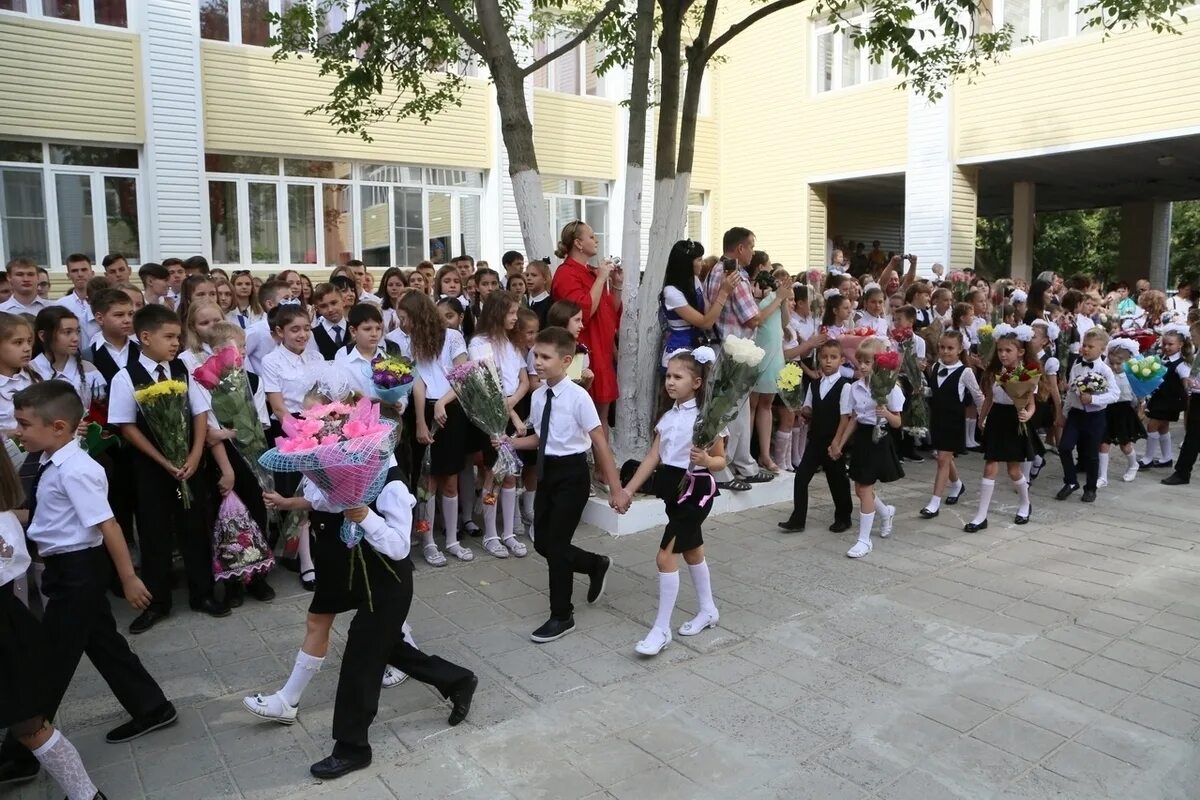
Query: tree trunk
x=637 y=405
x=517 y=132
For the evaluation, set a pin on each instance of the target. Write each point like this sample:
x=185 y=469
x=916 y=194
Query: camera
x=616 y=261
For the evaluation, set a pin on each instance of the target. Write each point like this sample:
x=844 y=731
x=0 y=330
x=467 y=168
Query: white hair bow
x=1177 y=328
x=1052 y=331
x=1024 y=333
x=1129 y=345
x=1018 y=296
x=703 y=354
x=828 y=293
x=1003 y=329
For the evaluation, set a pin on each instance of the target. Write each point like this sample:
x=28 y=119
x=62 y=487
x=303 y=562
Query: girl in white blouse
x=683 y=480
x=871 y=461
x=56 y=342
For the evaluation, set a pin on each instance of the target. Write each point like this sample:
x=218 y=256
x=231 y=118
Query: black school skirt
x=1002 y=437
x=22 y=656
x=1123 y=425
x=947 y=431
x=684 y=519
x=448 y=452
x=349 y=578
x=873 y=462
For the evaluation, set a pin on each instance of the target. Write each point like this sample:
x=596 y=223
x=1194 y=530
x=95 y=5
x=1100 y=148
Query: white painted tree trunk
x=531 y=210
x=632 y=434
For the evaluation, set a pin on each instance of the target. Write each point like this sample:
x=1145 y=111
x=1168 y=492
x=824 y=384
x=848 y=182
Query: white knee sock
x=1026 y=468
x=1166 y=448
x=527 y=503
x=1102 y=471
x=953 y=488
x=668 y=590
x=408 y=635
x=865 y=521
x=450 y=519
x=305 y=668
x=508 y=512
x=969 y=427
x=935 y=503
x=986 y=487
x=880 y=506
x=489 y=521
x=799 y=439
x=430 y=513
x=1151 y=448
x=782 y=449
x=62 y=761
x=1022 y=487
x=1131 y=460
x=466 y=490
x=700 y=580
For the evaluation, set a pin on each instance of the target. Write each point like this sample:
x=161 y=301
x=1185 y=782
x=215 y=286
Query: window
x=697 y=209
x=267 y=210
x=1040 y=20
x=573 y=72
x=568 y=200
x=113 y=13
x=839 y=63
x=246 y=21
x=61 y=199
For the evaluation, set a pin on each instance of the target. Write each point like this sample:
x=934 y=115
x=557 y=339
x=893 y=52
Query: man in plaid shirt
x=740 y=317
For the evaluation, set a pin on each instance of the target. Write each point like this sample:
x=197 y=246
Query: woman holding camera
x=687 y=319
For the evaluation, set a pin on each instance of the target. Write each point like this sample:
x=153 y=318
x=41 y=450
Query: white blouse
x=675 y=434
x=504 y=355
x=862 y=405
x=434 y=373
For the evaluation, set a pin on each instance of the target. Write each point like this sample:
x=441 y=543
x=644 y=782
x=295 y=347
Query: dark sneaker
x=1175 y=479
x=161 y=717
x=553 y=630
x=599 y=580
x=336 y=766
x=461 y=698
x=1066 y=491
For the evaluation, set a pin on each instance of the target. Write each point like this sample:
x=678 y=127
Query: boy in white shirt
x=1084 y=421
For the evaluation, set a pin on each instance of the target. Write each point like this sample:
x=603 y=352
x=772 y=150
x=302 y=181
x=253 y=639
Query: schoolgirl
x=56 y=345
x=1182 y=474
x=16 y=350
x=1048 y=404
x=201 y=316
x=1123 y=426
x=804 y=341
x=246 y=309
x=1005 y=439
x=671 y=462
x=455 y=318
x=528 y=326
x=962 y=320
x=440 y=422
x=224 y=293
x=834 y=322
x=1170 y=398
x=568 y=315
x=952 y=387
x=874 y=314
x=871 y=461
x=196 y=288
x=392 y=287
x=537 y=283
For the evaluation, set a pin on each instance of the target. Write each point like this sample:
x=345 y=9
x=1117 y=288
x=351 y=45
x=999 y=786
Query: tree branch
x=460 y=26
x=583 y=34
x=738 y=27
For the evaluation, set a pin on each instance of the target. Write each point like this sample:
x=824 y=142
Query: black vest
x=542 y=308
x=141 y=379
x=944 y=398
x=325 y=342
x=826 y=411
x=924 y=318
x=103 y=360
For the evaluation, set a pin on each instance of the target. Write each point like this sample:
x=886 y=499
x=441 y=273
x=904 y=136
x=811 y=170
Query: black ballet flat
x=952 y=500
x=973 y=527
x=309 y=584
x=1023 y=520
x=927 y=514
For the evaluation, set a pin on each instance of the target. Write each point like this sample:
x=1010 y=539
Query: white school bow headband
x=1177 y=328
x=1018 y=296
x=703 y=354
x=1125 y=344
x=828 y=293
x=1022 y=333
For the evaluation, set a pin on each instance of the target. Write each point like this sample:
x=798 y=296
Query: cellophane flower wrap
x=424 y=490
x=987 y=343
x=1145 y=374
x=959 y=284
x=1091 y=383
x=916 y=417
x=1019 y=383
x=790 y=384
x=344 y=450
x=391 y=378
x=169 y=417
x=884 y=374
x=98 y=437
x=728 y=384
x=1062 y=345
x=239 y=547
x=851 y=339
x=224 y=376
x=481 y=395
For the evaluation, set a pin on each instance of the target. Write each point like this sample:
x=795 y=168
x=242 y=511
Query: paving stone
x=920 y=785
x=1090 y=769
x=975 y=766
x=1159 y=716
x=1018 y=737
x=1140 y=655
x=1054 y=713
x=659 y=782
x=1088 y=691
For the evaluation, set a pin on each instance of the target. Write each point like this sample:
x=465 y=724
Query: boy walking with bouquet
x=163 y=414
x=1091 y=387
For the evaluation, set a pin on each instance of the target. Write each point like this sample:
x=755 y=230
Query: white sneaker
x=393 y=677
x=886 y=523
x=433 y=556
x=460 y=552
x=655 y=642
x=516 y=548
x=703 y=620
x=494 y=547
x=1130 y=473
x=1101 y=483
x=859 y=550
x=271 y=706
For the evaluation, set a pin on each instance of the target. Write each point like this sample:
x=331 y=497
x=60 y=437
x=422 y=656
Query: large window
x=1035 y=20
x=92 y=12
x=568 y=200
x=573 y=72
x=839 y=64
x=61 y=199
x=696 y=224
x=245 y=21
x=267 y=210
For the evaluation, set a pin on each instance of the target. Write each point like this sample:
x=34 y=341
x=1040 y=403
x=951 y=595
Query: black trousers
x=816 y=456
x=375 y=639
x=78 y=620
x=561 y=497
x=1084 y=430
x=1191 y=439
x=162 y=521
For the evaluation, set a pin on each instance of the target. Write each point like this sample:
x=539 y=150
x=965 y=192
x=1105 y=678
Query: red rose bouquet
x=1019 y=383
x=884 y=375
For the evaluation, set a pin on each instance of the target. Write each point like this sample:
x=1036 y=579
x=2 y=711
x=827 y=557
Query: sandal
x=433 y=556
x=516 y=548
x=494 y=547
x=762 y=477
x=460 y=552
x=735 y=485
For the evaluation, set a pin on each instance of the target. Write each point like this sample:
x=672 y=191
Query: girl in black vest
x=952 y=386
x=1047 y=403
x=1169 y=399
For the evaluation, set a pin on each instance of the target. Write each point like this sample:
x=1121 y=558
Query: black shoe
x=599 y=580
x=148 y=619
x=1089 y=496
x=19 y=770
x=471 y=529
x=211 y=606
x=308 y=584
x=235 y=593
x=976 y=449
x=972 y=527
x=839 y=526
x=260 y=590
x=912 y=458
x=1164 y=464
x=927 y=514
x=1175 y=479
x=461 y=698
x=952 y=500
x=1023 y=520
x=792 y=526
x=336 y=766
x=1036 y=469
x=1066 y=491
x=553 y=630
x=161 y=717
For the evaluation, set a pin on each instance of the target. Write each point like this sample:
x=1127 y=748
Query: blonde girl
x=1123 y=426
x=224 y=293
x=16 y=350
x=200 y=318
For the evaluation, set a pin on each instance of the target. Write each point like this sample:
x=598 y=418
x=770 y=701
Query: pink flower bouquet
x=233 y=404
x=481 y=395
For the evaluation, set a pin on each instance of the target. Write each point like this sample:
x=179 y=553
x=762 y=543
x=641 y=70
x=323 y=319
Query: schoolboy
x=330 y=331
x=366 y=342
x=827 y=410
x=1084 y=423
x=76 y=535
x=566 y=425
x=260 y=336
x=79 y=270
x=116 y=268
x=23 y=275
x=160 y=510
x=176 y=275
x=156 y=282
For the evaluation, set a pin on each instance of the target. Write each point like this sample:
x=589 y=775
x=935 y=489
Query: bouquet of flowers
x=1019 y=383
x=1091 y=383
x=916 y=418
x=391 y=378
x=790 y=384
x=481 y=394
x=959 y=284
x=1145 y=374
x=735 y=371
x=851 y=339
x=883 y=379
x=424 y=488
x=1062 y=344
x=987 y=343
x=165 y=407
x=239 y=548
x=1147 y=339
x=224 y=375
x=98 y=437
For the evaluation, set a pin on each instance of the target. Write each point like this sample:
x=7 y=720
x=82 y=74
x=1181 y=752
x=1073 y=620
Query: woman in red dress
x=596 y=290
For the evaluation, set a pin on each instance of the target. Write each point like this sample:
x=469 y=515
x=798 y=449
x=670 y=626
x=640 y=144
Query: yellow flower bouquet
x=790 y=384
x=165 y=407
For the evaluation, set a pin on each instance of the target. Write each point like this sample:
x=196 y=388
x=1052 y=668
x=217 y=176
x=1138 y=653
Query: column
x=928 y=182
x=1145 y=242
x=1024 y=209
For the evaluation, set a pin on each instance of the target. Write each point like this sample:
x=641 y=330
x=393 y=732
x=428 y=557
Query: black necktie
x=161 y=372
x=33 y=489
x=242 y=320
x=337 y=335
x=544 y=434
x=1088 y=364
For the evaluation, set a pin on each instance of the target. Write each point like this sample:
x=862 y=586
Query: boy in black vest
x=827 y=409
x=160 y=511
x=329 y=332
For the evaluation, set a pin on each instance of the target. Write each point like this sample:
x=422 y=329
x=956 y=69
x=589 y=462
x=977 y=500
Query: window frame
x=551 y=197
x=840 y=35
x=56 y=259
x=702 y=209
x=549 y=72
x=35 y=9
x=1035 y=21
x=234 y=10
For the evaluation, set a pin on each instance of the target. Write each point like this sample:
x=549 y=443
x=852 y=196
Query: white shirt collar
x=62 y=454
x=539 y=298
x=353 y=354
x=684 y=406
x=151 y=365
x=944 y=365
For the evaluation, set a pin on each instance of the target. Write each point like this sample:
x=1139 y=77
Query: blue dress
x=769 y=337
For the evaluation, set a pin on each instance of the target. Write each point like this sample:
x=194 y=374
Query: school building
x=165 y=127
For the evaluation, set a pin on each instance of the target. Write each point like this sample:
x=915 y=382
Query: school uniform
x=243 y=318
x=118 y=461
x=540 y=305
x=260 y=342
x=877 y=324
x=375 y=580
x=684 y=516
x=291 y=375
x=401 y=340
x=1171 y=397
x=564 y=416
x=87 y=381
x=924 y=319
x=9 y=386
x=22 y=651
x=1085 y=427
x=448 y=451
x=79 y=306
x=357 y=367
x=192 y=359
x=110 y=360
x=13 y=305
x=1191 y=439
x=159 y=508
x=951 y=388
x=68 y=503
x=872 y=461
x=330 y=337
x=1122 y=424
x=829 y=400
x=1002 y=437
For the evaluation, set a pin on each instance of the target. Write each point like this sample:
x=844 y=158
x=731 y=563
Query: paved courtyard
x=1057 y=660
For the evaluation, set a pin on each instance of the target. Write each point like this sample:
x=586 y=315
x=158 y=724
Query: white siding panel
x=927 y=201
